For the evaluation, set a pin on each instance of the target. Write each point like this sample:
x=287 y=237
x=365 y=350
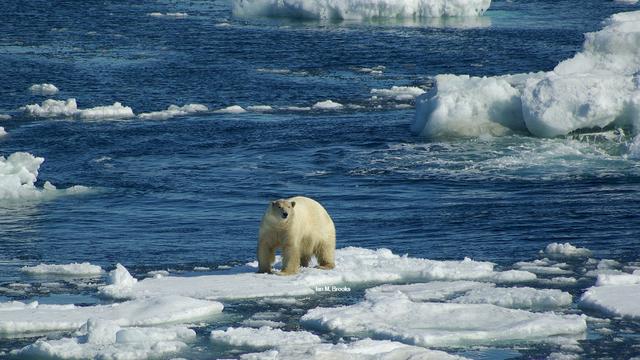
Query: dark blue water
x=190 y=191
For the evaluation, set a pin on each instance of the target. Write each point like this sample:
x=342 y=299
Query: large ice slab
x=353 y=266
x=431 y=291
x=518 y=298
x=17 y=317
x=359 y=9
x=593 y=90
x=263 y=338
x=80 y=269
x=443 y=324
x=101 y=339
x=615 y=295
x=365 y=349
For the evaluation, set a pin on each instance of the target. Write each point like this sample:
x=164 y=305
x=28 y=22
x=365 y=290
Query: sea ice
x=233 y=109
x=2 y=132
x=173 y=111
x=398 y=93
x=359 y=9
x=353 y=266
x=100 y=339
x=115 y=111
x=17 y=317
x=260 y=108
x=84 y=268
x=43 y=89
x=518 y=298
x=263 y=338
x=615 y=295
x=566 y=250
x=431 y=291
x=5 y=117
x=177 y=15
x=327 y=105
x=69 y=108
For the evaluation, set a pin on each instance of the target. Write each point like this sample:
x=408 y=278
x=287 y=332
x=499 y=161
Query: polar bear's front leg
x=290 y=260
x=266 y=257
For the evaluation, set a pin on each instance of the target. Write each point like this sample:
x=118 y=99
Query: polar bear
x=301 y=227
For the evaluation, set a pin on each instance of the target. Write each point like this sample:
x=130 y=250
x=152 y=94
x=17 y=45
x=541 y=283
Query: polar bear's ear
x=293 y=204
x=274 y=202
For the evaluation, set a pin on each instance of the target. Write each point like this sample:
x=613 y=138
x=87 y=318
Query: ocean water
x=190 y=191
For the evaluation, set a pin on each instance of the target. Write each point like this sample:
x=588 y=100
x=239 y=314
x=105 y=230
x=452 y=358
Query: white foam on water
x=263 y=338
x=615 y=295
x=443 y=324
x=102 y=339
x=359 y=9
x=233 y=109
x=173 y=111
x=17 y=317
x=84 y=268
x=566 y=250
x=327 y=105
x=518 y=298
x=353 y=266
x=43 y=89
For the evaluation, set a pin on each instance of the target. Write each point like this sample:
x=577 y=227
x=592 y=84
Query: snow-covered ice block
x=443 y=324
x=263 y=338
x=115 y=111
x=365 y=349
x=52 y=108
x=353 y=266
x=43 y=89
x=18 y=317
x=431 y=291
x=327 y=105
x=543 y=267
x=518 y=298
x=398 y=93
x=84 y=268
x=359 y=9
x=616 y=295
x=102 y=339
x=2 y=132
x=173 y=111
x=260 y=108
x=233 y=109
x=566 y=250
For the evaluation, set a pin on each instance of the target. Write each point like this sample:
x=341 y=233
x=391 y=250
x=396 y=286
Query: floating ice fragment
x=234 y=109
x=43 y=89
x=263 y=338
x=173 y=111
x=84 y=268
x=327 y=105
x=398 y=93
x=518 y=298
x=566 y=250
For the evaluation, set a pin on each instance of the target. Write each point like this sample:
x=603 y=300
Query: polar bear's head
x=282 y=209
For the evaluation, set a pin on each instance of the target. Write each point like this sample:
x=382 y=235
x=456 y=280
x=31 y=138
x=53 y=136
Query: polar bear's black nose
x=284 y=215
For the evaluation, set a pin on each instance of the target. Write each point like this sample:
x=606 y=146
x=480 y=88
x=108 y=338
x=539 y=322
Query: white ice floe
x=353 y=266
x=431 y=291
x=260 y=108
x=263 y=338
x=308 y=108
x=593 y=90
x=615 y=295
x=327 y=105
x=376 y=70
x=84 y=268
x=17 y=317
x=69 y=108
x=2 y=132
x=5 y=117
x=359 y=9
x=518 y=298
x=398 y=93
x=543 y=267
x=233 y=109
x=100 y=339
x=18 y=174
x=43 y=89
x=177 y=15
x=443 y=324
x=258 y=323
x=365 y=349
x=173 y=111
x=566 y=250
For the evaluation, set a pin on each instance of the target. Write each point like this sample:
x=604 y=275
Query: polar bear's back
x=313 y=217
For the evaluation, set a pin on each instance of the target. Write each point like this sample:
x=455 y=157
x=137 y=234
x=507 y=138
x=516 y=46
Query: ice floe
x=18 y=175
x=566 y=250
x=359 y=9
x=260 y=108
x=5 y=117
x=3 y=132
x=432 y=324
x=177 y=15
x=615 y=295
x=431 y=291
x=518 y=298
x=102 y=339
x=593 y=90
x=115 y=111
x=173 y=111
x=353 y=266
x=17 y=317
x=233 y=109
x=84 y=268
x=69 y=108
x=263 y=338
x=398 y=93
x=43 y=89
x=327 y=105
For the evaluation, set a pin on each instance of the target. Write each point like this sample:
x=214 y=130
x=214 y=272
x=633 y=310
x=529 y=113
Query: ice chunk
x=84 y=268
x=615 y=295
x=120 y=280
x=327 y=105
x=518 y=298
x=174 y=111
x=260 y=108
x=43 y=89
x=115 y=111
x=353 y=266
x=443 y=324
x=359 y=9
x=177 y=15
x=398 y=93
x=365 y=349
x=263 y=338
x=5 y=117
x=17 y=317
x=234 y=109
x=106 y=340
x=543 y=267
x=432 y=291
x=2 y=132
x=52 y=108
x=566 y=250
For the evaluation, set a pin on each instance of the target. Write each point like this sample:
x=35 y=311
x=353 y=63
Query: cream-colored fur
x=306 y=231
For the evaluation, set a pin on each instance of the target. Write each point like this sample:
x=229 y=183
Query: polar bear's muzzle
x=284 y=215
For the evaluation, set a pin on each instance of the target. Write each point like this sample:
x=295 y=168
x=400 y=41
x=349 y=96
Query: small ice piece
x=102 y=339
x=177 y=15
x=558 y=281
x=2 y=132
x=5 y=117
x=52 y=108
x=443 y=324
x=263 y=338
x=173 y=111
x=543 y=267
x=233 y=109
x=431 y=291
x=306 y=108
x=365 y=349
x=115 y=111
x=359 y=9
x=260 y=108
x=327 y=105
x=43 y=89
x=518 y=298
x=398 y=93
x=566 y=250
x=258 y=323
x=84 y=268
